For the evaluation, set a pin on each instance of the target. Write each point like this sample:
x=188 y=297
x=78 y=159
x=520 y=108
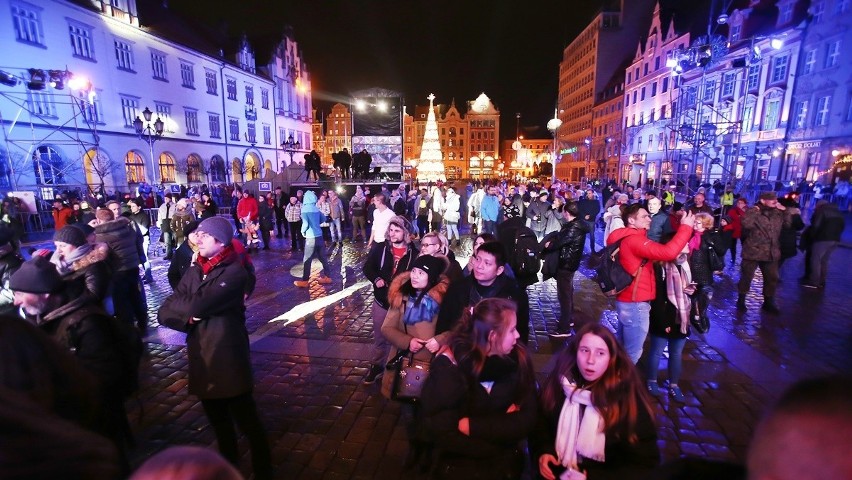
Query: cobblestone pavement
x=311 y=348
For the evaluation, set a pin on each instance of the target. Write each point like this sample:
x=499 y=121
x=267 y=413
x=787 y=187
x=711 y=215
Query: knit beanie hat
x=36 y=276
x=71 y=235
x=402 y=223
x=433 y=266
x=218 y=228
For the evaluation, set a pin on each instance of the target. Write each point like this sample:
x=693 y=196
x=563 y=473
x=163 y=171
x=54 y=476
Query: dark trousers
x=734 y=250
x=297 y=241
x=423 y=225
x=770 y=277
x=281 y=222
x=488 y=226
x=565 y=295
x=591 y=225
x=266 y=235
x=223 y=413
x=128 y=297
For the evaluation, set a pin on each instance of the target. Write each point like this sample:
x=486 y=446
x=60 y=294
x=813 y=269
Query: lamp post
x=290 y=147
x=553 y=125
x=150 y=132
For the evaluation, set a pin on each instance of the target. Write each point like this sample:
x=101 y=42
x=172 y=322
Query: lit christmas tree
x=430 y=167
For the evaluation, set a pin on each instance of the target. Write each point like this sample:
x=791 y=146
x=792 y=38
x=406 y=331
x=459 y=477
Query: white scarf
x=574 y=435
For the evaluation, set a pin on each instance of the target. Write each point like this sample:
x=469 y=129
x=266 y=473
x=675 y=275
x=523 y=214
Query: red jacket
x=736 y=222
x=247 y=207
x=61 y=217
x=636 y=247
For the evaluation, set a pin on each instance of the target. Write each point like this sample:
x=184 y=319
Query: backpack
x=524 y=255
x=610 y=274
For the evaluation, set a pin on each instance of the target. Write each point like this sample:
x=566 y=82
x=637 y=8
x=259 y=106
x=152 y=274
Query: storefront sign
x=803 y=145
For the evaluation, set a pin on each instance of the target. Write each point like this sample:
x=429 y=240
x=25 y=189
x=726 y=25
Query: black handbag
x=716 y=263
x=409 y=379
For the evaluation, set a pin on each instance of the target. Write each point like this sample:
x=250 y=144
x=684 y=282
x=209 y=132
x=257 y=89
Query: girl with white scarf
x=600 y=423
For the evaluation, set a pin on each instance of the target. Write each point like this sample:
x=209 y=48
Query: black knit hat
x=36 y=276
x=71 y=235
x=433 y=266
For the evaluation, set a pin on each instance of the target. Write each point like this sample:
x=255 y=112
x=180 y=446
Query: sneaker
x=653 y=388
x=375 y=372
x=677 y=395
x=301 y=283
x=323 y=280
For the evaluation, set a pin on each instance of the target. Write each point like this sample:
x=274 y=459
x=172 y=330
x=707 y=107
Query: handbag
x=716 y=263
x=409 y=379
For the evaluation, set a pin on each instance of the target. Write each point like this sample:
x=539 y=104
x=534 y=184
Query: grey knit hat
x=71 y=235
x=218 y=228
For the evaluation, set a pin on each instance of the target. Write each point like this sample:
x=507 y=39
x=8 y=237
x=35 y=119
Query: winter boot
x=769 y=306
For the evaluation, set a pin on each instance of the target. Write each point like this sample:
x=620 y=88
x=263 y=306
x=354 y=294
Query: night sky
x=454 y=49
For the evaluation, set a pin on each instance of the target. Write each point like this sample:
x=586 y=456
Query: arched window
x=217 y=169
x=167 y=168
x=47 y=166
x=134 y=168
x=193 y=168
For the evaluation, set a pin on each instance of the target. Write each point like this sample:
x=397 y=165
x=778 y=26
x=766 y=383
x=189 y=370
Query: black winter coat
x=789 y=235
x=459 y=296
x=124 y=241
x=569 y=242
x=218 y=345
x=379 y=264
x=492 y=450
x=664 y=319
x=91 y=274
x=827 y=224
x=699 y=260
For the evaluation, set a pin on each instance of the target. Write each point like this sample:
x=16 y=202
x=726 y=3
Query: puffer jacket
x=452 y=205
x=762 y=226
x=400 y=335
x=636 y=247
x=827 y=223
x=124 y=241
x=217 y=346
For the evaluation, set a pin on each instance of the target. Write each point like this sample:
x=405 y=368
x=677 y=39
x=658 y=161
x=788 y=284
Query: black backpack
x=524 y=255
x=610 y=275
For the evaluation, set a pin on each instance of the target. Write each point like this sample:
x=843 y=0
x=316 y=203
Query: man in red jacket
x=636 y=255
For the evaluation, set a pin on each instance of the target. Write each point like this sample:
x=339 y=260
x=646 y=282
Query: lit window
x=823 y=105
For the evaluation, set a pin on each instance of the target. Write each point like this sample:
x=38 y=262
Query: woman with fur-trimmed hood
x=82 y=265
x=415 y=297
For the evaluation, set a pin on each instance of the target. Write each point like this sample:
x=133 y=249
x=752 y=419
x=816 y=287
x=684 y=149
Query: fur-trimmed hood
x=99 y=253
x=396 y=298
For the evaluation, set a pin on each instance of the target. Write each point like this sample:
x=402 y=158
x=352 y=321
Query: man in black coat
x=569 y=243
x=589 y=208
x=209 y=305
x=487 y=281
x=386 y=260
x=345 y=164
x=80 y=325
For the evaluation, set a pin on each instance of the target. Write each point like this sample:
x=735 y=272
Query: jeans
x=336 y=230
x=169 y=242
x=633 y=322
x=453 y=231
x=381 y=346
x=675 y=357
x=565 y=295
x=488 y=226
x=223 y=413
x=315 y=248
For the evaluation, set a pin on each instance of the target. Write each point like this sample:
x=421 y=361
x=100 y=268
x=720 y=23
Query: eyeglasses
x=429 y=244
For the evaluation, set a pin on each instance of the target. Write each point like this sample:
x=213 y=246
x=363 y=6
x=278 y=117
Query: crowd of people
x=480 y=413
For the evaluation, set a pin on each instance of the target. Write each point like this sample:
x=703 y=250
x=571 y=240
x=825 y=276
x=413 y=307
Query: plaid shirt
x=293 y=213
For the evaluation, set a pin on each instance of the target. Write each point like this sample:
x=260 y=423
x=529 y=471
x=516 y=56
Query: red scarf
x=208 y=264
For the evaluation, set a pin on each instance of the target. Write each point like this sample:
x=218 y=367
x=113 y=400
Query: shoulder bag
x=410 y=377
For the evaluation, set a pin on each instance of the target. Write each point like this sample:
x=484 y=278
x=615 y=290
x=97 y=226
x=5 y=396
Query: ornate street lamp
x=553 y=125
x=290 y=147
x=150 y=132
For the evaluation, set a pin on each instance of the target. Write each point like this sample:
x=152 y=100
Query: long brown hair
x=618 y=395
x=469 y=340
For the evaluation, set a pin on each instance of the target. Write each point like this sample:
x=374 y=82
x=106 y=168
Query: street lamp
x=150 y=132
x=588 y=143
x=290 y=147
x=553 y=125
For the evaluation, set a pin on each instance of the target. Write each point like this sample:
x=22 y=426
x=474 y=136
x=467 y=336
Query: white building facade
x=75 y=78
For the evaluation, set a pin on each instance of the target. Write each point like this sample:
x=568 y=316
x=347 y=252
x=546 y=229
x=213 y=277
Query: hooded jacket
x=452 y=205
x=636 y=247
x=91 y=274
x=311 y=216
x=379 y=264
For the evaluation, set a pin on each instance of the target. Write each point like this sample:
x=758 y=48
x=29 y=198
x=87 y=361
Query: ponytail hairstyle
x=618 y=395
x=470 y=339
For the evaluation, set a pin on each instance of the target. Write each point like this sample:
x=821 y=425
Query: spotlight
x=776 y=43
x=722 y=19
x=8 y=79
x=77 y=82
x=361 y=105
x=37 y=79
x=57 y=79
x=382 y=106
